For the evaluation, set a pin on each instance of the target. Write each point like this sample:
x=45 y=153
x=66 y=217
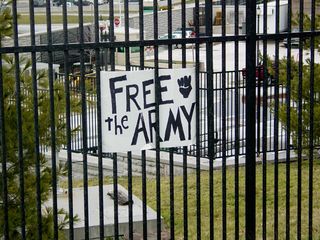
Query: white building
x=271 y=17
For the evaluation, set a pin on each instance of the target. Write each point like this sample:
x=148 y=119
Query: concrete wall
x=57 y=38
x=151 y=164
x=73 y=37
x=24 y=40
x=107 y=167
x=162 y=22
x=176 y=20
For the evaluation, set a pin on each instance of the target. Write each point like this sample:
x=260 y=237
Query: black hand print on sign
x=185 y=86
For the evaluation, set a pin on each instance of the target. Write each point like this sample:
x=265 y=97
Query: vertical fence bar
x=114 y=155
x=236 y=122
x=84 y=124
x=300 y=108
x=185 y=149
x=198 y=102
x=130 y=195
x=172 y=221
x=185 y=194
x=126 y=34
x=69 y=149
x=3 y=149
x=311 y=117
x=157 y=98
x=36 y=120
x=99 y=120
x=19 y=121
x=210 y=111
x=129 y=154
x=258 y=67
x=183 y=28
x=143 y=153
x=144 y=195
x=250 y=173
x=111 y=33
x=224 y=126
x=276 y=126
x=141 y=33
x=170 y=34
x=68 y=124
x=171 y=158
x=52 y=125
x=288 y=122
x=115 y=192
x=230 y=108
x=264 y=124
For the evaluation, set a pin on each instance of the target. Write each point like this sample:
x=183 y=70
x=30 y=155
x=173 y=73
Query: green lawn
x=55 y=19
x=178 y=199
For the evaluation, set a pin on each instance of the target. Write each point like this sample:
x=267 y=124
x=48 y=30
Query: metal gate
x=254 y=168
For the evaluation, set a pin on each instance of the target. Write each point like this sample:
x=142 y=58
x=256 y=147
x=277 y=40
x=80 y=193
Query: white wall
x=271 y=17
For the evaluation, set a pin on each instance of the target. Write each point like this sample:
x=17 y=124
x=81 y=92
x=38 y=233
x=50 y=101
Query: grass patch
x=55 y=19
x=205 y=203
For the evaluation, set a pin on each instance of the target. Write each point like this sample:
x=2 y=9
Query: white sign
x=129 y=109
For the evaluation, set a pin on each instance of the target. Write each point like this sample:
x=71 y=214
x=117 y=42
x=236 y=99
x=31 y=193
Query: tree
x=7 y=76
x=307 y=25
x=5 y=21
x=294 y=92
x=305 y=88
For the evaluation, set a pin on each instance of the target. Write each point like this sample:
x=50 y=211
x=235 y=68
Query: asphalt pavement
x=230 y=54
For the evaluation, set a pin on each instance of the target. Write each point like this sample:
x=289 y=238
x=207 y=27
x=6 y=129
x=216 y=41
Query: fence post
x=250 y=119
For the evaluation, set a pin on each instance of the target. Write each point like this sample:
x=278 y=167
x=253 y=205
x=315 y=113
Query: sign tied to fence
x=129 y=109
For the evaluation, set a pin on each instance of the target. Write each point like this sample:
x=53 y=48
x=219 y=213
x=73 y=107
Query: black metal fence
x=230 y=77
x=241 y=119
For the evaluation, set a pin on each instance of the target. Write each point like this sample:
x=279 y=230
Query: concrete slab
x=107 y=164
x=93 y=201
